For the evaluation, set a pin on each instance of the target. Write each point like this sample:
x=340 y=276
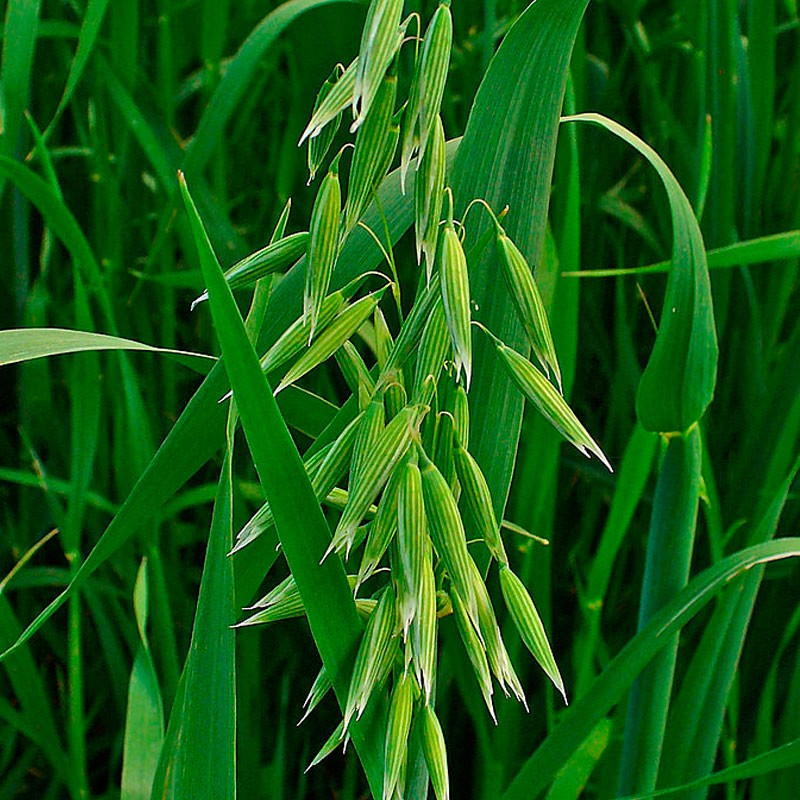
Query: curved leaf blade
x=678 y=382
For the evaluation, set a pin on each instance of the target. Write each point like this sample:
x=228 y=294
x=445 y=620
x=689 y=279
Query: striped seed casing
x=275 y=257
x=447 y=533
x=475 y=493
x=389 y=448
x=455 y=294
x=432 y=75
x=343 y=326
x=412 y=540
x=319 y=145
x=369 y=154
x=323 y=245
x=380 y=40
x=528 y=303
x=529 y=625
x=397 y=729
x=435 y=752
x=431 y=355
x=550 y=403
x=336 y=100
x=428 y=195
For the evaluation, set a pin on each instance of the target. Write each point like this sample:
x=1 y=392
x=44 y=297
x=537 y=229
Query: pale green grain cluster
x=411 y=503
x=406 y=500
x=330 y=105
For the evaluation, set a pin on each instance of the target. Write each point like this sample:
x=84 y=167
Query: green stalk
x=669 y=551
x=76 y=725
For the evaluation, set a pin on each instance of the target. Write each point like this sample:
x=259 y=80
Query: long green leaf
x=299 y=521
x=697 y=713
x=90 y=30
x=678 y=383
x=144 y=720
x=64 y=225
x=610 y=686
x=19 y=45
x=24 y=344
x=783 y=757
x=198 y=759
x=670 y=542
x=763 y=250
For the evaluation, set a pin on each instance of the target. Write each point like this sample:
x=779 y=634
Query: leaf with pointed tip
x=678 y=382
x=299 y=521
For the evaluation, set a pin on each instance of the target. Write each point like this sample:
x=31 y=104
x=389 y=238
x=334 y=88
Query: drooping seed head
x=528 y=303
x=321 y=686
x=389 y=448
x=432 y=75
x=455 y=295
x=369 y=153
x=499 y=660
x=329 y=340
x=262 y=519
x=319 y=145
x=435 y=752
x=443 y=451
x=412 y=540
x=354 y=370
x=380 y=40
x=383 y=527
x=323 y=246
x=295 y=337
x=397 y=729
x=475 y=649
x=424 y=629
x=372 y=660
x=338 y=737
x=475 y=493
x=336 y=100
x=431 y=355
x=447 y=533
x=428 y=196
x=529 y=625
x=550 y=403
x=383 y=339
x=369 y=430
x=275 y=257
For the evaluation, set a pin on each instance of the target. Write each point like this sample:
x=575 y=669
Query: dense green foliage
x=132 y=680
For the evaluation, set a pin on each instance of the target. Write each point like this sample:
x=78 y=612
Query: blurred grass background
x=104 y=101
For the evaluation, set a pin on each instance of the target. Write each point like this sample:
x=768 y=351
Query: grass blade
x=678 y=383
x=144 y=721
x=669 y=553
x=90 y=29
x=298 y=518
x=24 y=344
x=198 y=758
x=608 y=689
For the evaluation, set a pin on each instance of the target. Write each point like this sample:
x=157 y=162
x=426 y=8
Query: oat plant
x=489 y=477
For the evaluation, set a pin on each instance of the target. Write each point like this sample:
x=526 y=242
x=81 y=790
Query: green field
x=516 y=399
